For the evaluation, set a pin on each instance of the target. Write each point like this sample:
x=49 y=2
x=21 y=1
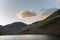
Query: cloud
x=26 y=14
x=57 y=1
x=44 y=15
x=47 y=13
x=28 y=17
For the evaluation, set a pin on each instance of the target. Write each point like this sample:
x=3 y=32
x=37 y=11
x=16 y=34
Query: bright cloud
x=26 y=14
x=47 y=13
x=28 y=17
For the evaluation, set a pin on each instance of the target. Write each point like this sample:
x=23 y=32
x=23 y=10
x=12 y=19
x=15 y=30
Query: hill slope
x=14 y=27
x=51 y=25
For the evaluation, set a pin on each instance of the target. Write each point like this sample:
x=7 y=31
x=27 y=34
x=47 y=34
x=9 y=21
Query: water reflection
x=29 y=37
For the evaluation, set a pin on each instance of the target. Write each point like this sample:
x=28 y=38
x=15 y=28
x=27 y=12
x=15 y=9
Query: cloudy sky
x=10 y=8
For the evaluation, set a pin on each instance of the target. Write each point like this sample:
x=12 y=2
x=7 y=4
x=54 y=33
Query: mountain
x=1 y=27
x=50 y=25
x=14 y=27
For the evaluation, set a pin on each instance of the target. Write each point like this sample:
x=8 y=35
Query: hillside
x=50 y=26
x=13 y=27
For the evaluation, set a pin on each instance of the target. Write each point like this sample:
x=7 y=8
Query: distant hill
x=1 y=29
x=14 y=27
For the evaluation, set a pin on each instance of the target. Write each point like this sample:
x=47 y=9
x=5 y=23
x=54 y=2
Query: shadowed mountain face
x=51 y=28
x=14 y=27
x=50 y=25
x=1 y=27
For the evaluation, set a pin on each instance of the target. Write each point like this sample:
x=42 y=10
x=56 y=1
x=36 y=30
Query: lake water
x=29 y=37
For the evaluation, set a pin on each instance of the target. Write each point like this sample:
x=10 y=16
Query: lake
x=29 y=37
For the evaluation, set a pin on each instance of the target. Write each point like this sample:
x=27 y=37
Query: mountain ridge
x=50 y=25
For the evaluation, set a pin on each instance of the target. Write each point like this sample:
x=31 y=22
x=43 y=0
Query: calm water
x=29 y=37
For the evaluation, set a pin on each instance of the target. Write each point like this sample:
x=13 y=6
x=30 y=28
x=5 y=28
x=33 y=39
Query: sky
x=10 y=8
